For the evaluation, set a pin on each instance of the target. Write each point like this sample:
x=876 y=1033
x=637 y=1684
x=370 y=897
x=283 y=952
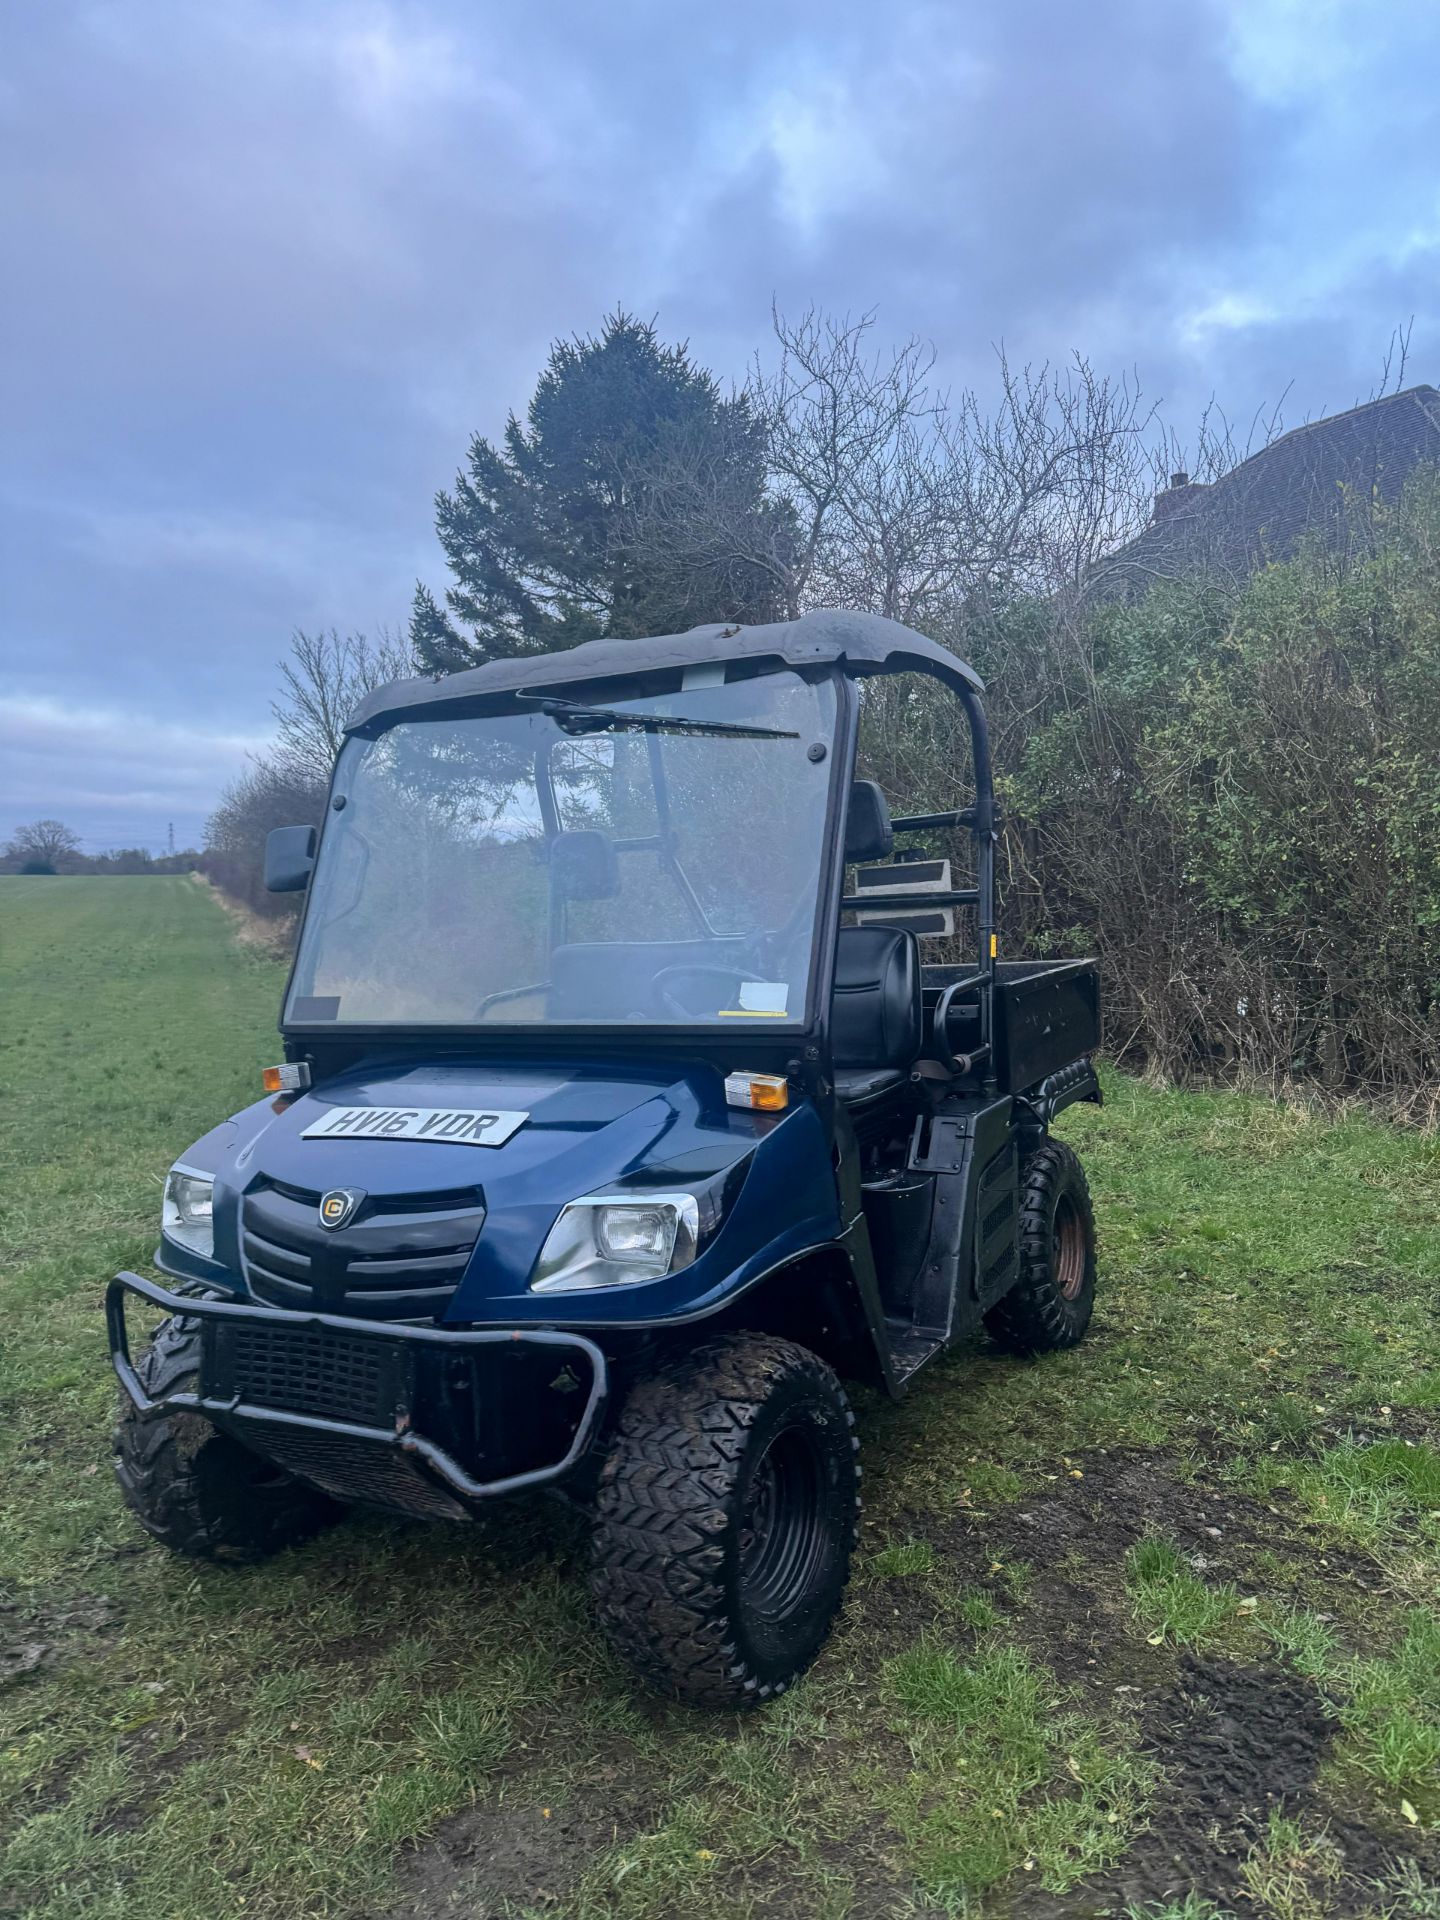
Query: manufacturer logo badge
x=339 y=1207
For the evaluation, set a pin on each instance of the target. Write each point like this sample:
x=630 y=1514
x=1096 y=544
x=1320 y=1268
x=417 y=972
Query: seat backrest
x=583 y=866
x=875 y=1018
x=868 y=834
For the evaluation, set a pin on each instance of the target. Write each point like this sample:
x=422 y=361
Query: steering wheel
x=671 y=1003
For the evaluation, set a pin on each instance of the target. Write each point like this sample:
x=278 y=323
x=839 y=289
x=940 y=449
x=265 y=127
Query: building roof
x=1321 y=480
x=860 y=643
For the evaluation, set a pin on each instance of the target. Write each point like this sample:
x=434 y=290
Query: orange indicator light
x=764 y=1092
x=293 y=1077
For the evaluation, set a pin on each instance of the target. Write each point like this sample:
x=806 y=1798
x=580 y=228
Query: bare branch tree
x=714 y=547
x=913 y=505
x=885 y=494
x=325 y=678
x=43 y=844
x=849 y=434
x=1397 y=359
x=1054 y=477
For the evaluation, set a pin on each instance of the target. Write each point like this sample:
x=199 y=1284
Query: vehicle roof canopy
x=859 y=643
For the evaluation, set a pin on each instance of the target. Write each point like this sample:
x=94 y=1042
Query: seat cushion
x=857 y=1084
x=875 y=1016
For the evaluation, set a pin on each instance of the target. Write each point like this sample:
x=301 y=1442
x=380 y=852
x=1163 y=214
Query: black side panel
x=855 y=1241
x=968 y=1149
x=997 y=1213
x=897 y=1212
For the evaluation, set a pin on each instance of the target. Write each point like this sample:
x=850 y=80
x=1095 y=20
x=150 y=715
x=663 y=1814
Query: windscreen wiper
x=573 y=716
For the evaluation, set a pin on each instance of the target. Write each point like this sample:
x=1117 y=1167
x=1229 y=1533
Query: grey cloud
x=126 y=777
x=279 y=260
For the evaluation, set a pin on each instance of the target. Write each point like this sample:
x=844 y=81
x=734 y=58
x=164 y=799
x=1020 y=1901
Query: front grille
x=363 y=1471
x=400 y=1258
x=311 y=1370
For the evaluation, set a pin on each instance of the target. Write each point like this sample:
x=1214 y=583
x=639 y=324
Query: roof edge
x=861 y=642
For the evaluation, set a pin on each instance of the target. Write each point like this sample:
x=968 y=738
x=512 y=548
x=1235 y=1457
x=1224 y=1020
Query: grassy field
x=1149 y=1628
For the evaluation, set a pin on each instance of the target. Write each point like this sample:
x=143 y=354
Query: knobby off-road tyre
x=725 y=1520
x=1051 y=1303
x=195 y=1489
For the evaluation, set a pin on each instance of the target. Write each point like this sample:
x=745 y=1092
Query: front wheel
x=195 y=1489
x=726 y=1517
x=1050 y=1304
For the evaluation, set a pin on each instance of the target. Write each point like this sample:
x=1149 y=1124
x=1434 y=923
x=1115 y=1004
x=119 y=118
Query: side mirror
x=289 y=856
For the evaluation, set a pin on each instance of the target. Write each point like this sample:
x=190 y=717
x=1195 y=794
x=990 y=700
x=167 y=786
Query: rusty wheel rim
x=1067 y=1248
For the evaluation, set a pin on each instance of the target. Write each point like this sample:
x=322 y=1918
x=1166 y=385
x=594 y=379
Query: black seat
x=868 y=833
x=583 y=866
x=875 y=1018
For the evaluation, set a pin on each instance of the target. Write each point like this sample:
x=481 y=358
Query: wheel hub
x=1067 y=1248
x=782 y=1536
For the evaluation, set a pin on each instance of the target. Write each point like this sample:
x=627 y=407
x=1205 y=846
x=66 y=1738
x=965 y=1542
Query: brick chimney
x=1181 y=494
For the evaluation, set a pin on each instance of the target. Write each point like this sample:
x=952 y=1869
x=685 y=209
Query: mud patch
x=45 y=1631
x=156 y=1765
x=1234 y=1744
x=859 y=1887
x=1092 y=1520
x=885 y=1614
x=1074 y=1537
x=1416 y=1424
x=1120 y=1497
x=513 y=1852
x=19 y=1657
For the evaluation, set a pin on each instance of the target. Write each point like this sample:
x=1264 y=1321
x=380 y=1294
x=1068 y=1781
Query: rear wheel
x=726 y=1517
x=1051 y=1303
x=194 y=1488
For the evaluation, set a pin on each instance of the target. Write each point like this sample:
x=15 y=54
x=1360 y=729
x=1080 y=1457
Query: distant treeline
x=121 y=860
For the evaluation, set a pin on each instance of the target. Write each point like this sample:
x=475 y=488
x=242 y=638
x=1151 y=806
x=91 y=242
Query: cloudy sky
x=269 y=265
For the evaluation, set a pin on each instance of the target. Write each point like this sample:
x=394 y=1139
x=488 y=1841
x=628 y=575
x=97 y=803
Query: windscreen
x=533 y=869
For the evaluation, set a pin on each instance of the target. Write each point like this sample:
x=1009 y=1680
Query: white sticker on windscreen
x=764 y=996
x=448 y=1126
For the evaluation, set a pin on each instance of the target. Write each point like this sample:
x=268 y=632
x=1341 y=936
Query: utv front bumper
x=374 y=1411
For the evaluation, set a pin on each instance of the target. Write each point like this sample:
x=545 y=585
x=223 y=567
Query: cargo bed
x=1047 y=1014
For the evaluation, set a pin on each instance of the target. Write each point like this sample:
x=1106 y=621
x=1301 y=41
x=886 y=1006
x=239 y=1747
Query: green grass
x=1170 y=1600
x=976 y=1609
x=1193 y=1907
x=906 y=1557
x=1390 y=1705
x=1306 y=1641
x=196 y=1744
x=1006 y=1776
x=1291 y=1872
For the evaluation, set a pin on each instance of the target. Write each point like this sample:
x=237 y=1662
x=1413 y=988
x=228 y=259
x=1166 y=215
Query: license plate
x=448 y=1126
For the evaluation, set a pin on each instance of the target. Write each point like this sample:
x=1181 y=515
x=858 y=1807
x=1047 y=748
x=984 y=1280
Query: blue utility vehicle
x=619 y=1120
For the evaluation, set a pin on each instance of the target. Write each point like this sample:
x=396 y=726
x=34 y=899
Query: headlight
x=607 y=1239
x=185 y=1214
